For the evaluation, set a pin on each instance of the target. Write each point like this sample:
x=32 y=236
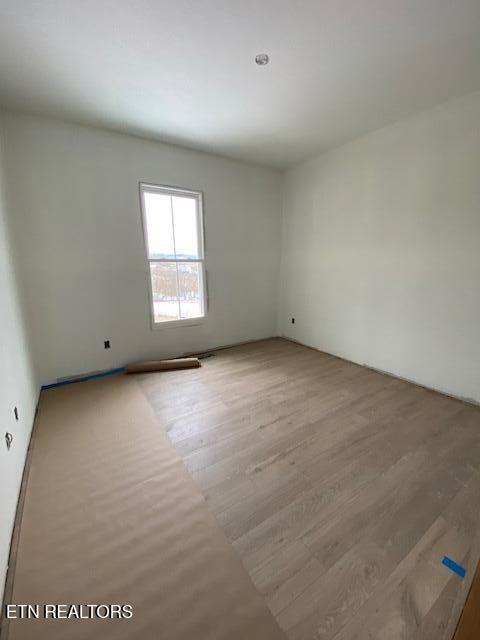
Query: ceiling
x=183 y=71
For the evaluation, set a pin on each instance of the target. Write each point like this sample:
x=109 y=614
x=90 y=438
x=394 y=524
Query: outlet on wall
x=8 y=440
x=293 y=320
x=106 y=344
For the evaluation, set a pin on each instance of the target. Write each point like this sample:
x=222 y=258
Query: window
x=173 y=228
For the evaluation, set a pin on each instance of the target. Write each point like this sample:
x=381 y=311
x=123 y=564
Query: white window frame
x=145 y=187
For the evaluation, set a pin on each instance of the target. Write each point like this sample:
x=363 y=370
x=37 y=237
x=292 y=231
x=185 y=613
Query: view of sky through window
x=171 y=226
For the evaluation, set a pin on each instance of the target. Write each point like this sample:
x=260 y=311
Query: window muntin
x=173 y=226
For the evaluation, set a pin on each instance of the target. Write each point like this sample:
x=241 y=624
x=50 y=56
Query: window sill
x=172 y=324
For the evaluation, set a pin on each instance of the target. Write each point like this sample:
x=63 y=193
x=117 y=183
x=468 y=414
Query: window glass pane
x=190 y=285
x=158 y=215
x=185 y=224
x=164 y=291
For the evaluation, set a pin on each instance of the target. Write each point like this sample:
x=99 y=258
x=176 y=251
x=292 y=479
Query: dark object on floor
x=162 y=365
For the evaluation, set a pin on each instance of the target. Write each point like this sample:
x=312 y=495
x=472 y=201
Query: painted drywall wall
x=381 y=250
x=78 y=227
x=18 y=385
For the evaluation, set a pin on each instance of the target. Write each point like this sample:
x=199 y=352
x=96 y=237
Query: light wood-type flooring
x=340 y=488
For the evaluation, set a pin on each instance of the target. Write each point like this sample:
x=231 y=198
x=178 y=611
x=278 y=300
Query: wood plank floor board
x=273 y=575
x=402 y=608
x=434 y=624
x=413 y=599
x=286 y=576
x=279 y=400
x=356 y=508
x=246 y=514
x=294 y=587
x=326 y=605
x=365 y=624
x=463 y=511
x=229 y=493
x=397 y=518
x=340 y=488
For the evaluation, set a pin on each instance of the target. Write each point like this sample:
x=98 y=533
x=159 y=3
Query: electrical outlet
x=293 y=320
x=15 y=413
x=8 y=440
x=106 y=344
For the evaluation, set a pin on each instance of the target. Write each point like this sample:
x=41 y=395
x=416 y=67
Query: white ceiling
x=183 y=70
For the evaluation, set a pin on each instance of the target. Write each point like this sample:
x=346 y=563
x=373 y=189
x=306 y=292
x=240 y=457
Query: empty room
x=240 y=320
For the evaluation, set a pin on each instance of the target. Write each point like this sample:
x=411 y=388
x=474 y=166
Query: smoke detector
x=262 y=59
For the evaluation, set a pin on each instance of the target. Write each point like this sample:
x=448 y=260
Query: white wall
x=18 y=386
x=77 y=221
x=381 y=250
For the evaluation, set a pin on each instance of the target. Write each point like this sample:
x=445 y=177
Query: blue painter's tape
x=456 y=568
x=93 y=376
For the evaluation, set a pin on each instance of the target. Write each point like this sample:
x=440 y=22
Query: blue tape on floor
x=456 y=568
x=93 y=376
